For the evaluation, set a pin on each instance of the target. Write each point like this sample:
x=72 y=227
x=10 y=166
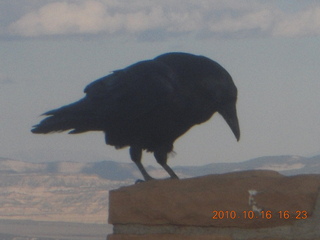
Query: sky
x=50 y=50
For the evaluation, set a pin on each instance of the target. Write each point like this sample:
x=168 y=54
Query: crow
x=149 y=104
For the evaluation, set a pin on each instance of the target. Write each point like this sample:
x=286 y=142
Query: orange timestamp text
x=259 y=215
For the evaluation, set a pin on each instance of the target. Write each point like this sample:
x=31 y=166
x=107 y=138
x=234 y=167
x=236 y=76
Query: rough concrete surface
x=241 y=205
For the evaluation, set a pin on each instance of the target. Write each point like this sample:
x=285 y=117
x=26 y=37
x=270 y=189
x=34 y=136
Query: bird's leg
x=161 y=157
x=170 y=171
x=135 y=154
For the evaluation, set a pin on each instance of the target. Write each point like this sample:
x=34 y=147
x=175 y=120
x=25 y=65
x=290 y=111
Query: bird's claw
x=139 y=181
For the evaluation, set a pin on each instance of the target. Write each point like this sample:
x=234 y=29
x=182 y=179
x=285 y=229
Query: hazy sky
x=50 y=50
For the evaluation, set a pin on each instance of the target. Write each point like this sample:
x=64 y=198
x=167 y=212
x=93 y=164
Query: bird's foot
x=139 y=181
x=145 y=180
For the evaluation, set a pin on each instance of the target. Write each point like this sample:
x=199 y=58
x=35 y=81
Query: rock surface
x=224 y=205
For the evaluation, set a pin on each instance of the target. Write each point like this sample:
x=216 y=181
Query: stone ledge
x=184 y=207
x=167 y=236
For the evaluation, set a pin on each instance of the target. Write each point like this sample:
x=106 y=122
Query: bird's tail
x=78 y=116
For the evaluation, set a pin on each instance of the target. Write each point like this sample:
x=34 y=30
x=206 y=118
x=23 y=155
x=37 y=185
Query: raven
x=149 y=104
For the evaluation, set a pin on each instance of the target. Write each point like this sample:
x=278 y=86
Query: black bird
x=149 y=104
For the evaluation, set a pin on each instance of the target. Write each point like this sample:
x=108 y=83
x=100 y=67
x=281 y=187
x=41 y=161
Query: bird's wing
x=133 y=91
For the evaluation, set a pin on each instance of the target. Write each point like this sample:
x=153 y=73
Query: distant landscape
x=74 y=195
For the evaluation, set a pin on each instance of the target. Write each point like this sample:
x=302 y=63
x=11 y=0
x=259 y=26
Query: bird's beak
x=229 y=114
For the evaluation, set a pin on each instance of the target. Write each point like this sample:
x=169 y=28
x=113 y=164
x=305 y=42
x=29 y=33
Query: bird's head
x=223 y=94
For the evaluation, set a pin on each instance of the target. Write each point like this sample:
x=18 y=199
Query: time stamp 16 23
x=260 y=215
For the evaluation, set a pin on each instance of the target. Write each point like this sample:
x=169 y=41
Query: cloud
x=144 y=19
x=61 y=18
x=304 y=23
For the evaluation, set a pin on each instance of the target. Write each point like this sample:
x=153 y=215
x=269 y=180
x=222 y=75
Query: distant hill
x=118 y=171
x=79 y=192
x=286 y=165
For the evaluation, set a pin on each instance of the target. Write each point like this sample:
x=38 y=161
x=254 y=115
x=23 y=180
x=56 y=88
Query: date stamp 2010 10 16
x=299 y=214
